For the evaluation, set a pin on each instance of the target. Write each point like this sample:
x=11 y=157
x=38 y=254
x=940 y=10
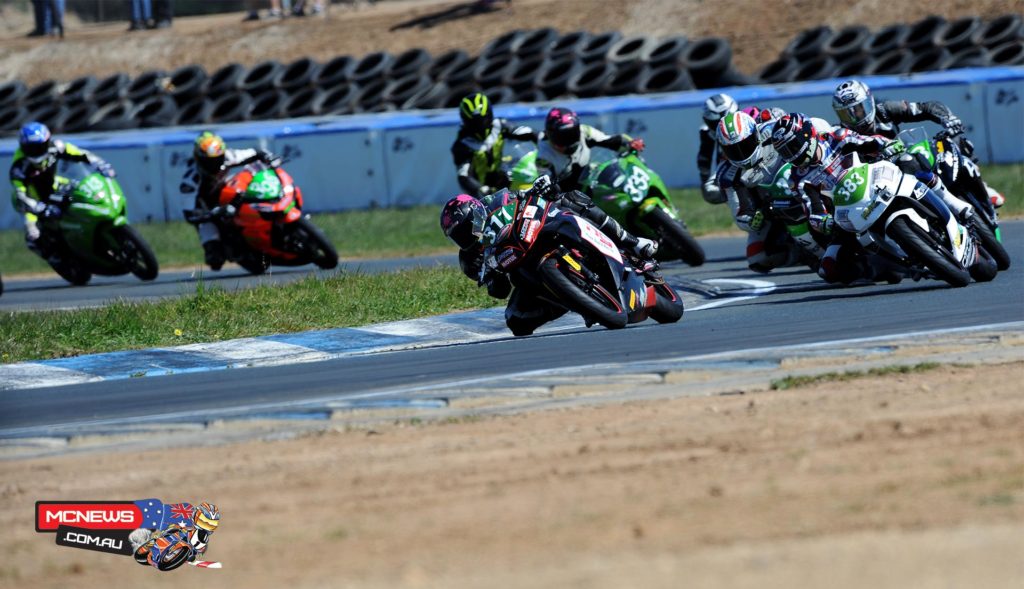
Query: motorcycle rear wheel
x=593 y=302
x=991 y=244
x=677 y=236
x=323 y=253
x=922 y=247
x=141 y=259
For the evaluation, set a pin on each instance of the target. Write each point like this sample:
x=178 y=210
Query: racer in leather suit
x=525 y=311
x=857 y=110
x=563 y=150
x=479 y=145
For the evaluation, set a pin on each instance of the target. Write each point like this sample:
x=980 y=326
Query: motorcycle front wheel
x=991 y=243
x=922 y=247
x=592 y=301
x=669 y=307
x=139 y=256
x=677 y=236
x=322 y=252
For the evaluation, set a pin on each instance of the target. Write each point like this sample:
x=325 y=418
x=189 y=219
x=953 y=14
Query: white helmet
x=716 y=107
x=739 y=139
x=854 y=105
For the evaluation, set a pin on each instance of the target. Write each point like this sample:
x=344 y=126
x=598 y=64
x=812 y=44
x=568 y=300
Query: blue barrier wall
x=402 y=159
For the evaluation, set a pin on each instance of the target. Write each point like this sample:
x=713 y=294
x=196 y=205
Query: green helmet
x=476 y=113
x=265 y=185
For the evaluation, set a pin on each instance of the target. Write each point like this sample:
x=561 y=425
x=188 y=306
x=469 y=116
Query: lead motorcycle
x=896 y=216
x=573 y=265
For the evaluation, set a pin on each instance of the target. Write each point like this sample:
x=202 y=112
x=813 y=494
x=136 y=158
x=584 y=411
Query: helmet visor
x=35 y=151
x=565 y=138
x=743 y=150
x=468 y=232
x=856 y=115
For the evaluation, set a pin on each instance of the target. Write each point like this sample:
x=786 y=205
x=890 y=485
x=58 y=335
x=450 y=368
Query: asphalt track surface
x=801 y=309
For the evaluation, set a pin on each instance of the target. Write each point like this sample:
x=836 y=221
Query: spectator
x=164 y=14
x=49 y=17
x=299 y=8
x=254 y=13
x=142 y=13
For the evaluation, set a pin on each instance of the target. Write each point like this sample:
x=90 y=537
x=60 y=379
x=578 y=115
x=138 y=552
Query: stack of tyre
x=931 y=44
x=541 y=64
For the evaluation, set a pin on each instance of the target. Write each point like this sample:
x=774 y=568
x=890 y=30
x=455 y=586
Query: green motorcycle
x=92 y=235
x=635 y=196
x=942 y=156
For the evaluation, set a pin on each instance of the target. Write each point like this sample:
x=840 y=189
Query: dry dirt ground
x=758 y=30
x=896 y=481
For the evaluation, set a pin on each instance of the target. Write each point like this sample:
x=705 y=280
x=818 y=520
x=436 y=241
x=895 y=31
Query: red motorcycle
x=260 y=219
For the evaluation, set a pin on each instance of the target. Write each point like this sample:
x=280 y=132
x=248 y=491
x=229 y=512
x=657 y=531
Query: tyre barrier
x=521 y=65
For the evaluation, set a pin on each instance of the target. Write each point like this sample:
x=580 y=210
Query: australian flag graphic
x=158 y=515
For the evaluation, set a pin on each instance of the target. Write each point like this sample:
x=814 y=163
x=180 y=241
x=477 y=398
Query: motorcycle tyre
x=150 y=268
x=909 y=238
x=578 y=301
x=669 y=307
x=984 y=268
x=675 y=233
x=992 y=245
x=325 y=256
x=74 y=274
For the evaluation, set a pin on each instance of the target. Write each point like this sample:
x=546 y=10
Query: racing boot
x=213 y=251
x=962 y=210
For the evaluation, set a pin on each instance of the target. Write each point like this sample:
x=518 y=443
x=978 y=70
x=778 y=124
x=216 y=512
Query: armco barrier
x=402 y=159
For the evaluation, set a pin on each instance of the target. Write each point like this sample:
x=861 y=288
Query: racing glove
x=106 y=169
x=823 y=224
x=268 y=158
x=637 y=145
x=712 y=193
x=544 y=187
x=51 y=212
x=954 y=126
x=893 y=149
x=645 y=248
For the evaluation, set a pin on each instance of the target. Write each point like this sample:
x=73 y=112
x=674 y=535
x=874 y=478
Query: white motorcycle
x=896 y=216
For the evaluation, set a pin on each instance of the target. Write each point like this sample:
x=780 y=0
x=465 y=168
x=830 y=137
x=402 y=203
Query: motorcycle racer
x=709 y=154
x=463 y=219
x=563 y=150
x=857 y=110
x=750 y=165
x=205 y=174
x=32 y=176
x=478 y=147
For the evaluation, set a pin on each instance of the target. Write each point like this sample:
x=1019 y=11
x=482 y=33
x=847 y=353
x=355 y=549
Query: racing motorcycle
x=260 y=219
x=573 y=265
x=942 y=156
x=900 y=218
x=167 y=551
x=635 y=196
x=92 y=234
x=788 y=208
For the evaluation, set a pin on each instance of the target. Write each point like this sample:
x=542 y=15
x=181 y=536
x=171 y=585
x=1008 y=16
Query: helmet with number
x=716 y=107
x=795 y=140
x=476 y=114
x=35 y=141
x=462 y=220
x=206 y=516
x=208 y=152
x=737 y=135
x=855 y=106
x=562 y=129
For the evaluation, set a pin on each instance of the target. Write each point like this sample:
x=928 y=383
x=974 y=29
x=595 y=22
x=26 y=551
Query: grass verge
x=792 y=382
x=414 y=231
x=212 y=314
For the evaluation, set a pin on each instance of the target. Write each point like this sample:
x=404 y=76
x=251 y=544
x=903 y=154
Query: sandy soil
x=899 y=481
x=757 y=29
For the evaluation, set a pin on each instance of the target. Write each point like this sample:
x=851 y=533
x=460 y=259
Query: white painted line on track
x=757 y=288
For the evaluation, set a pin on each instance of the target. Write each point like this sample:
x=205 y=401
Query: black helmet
x=795 y=140
x=476 y=114
x=562 y=128
x=462 y=220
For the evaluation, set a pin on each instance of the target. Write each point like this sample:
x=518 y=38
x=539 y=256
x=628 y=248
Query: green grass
x=414 y=231
x=213 y=314
x=792 y=382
